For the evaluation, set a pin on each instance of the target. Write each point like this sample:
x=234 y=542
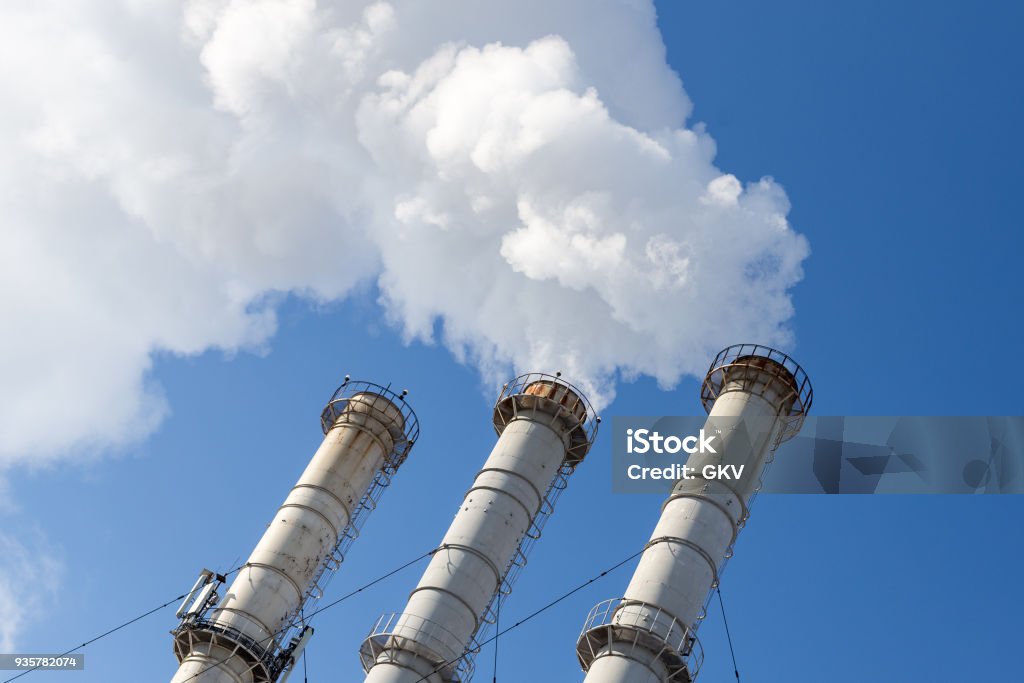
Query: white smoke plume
x=520 y=176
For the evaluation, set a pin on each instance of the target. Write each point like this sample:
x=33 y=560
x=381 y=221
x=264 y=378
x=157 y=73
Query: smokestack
x=256 y=632
x=545 y=429
x=756 y=397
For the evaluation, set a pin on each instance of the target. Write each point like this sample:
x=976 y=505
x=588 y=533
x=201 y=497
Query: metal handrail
x=272 y=658
x=338 y=402
x=399 y=631
x=563 y=402
x=779 y=366
x=648 y=627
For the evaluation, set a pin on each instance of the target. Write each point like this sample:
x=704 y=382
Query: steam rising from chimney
x=516 y=178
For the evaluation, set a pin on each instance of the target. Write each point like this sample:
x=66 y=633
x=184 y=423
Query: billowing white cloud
x=520 y=172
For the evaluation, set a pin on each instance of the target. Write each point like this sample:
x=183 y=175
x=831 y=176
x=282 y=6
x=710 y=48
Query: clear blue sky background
x=895 y=129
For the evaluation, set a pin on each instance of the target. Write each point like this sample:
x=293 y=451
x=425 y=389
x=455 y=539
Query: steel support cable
x=497 y=627
x=305 y=666
x=118 y=627
x=532 y=614
x=236 y=569
x=725 y=621
x=326 y=607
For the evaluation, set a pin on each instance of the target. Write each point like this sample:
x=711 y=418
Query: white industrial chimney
x=255 y=632
x=756 y=397
x=545 y=429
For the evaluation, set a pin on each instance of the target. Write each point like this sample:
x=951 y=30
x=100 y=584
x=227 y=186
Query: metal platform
x=619 y=627
x=755 y=369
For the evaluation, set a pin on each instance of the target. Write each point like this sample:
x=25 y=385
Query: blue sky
x=894 y=129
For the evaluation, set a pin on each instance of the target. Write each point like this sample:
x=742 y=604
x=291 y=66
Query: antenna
x=256 y=631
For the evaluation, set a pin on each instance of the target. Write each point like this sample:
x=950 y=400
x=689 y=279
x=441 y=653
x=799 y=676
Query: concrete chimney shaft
x=368 y=432
x=545 y=429
x=756 y=397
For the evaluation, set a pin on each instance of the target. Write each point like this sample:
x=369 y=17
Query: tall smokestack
x=756 y=397
x=254 y=634
x=545 y=429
